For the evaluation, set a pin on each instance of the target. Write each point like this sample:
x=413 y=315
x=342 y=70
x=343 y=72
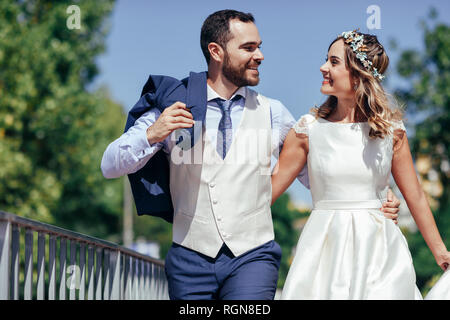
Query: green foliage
x=424 y=263
x=53 y=131
x=284 y=215
x=428 y=96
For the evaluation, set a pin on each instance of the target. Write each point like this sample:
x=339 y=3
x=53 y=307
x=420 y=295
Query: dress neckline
x=327 y=121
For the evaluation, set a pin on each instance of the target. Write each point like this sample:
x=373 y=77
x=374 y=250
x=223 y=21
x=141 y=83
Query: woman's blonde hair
x=372 y=102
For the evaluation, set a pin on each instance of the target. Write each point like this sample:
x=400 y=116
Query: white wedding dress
x=348 y=249
x=441 y=290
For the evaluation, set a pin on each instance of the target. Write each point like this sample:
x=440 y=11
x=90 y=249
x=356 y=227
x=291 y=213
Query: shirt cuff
x=142 y=148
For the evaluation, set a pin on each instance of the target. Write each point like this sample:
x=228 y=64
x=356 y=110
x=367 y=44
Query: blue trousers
x=250 y=276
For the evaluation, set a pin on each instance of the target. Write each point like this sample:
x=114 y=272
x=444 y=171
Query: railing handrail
x=60 y=232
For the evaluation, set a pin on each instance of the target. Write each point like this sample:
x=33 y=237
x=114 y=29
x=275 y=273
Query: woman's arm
x=291 y=162
x=406 y=180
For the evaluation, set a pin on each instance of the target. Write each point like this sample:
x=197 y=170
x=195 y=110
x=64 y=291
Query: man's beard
x=236 y=75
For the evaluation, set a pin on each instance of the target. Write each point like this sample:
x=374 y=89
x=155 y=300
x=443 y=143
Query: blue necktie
x=225 y=134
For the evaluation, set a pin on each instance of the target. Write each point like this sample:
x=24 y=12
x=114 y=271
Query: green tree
x=428 y=101
x=53 y=131
x=284 y=215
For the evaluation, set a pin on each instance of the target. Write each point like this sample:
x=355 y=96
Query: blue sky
x=163 y=37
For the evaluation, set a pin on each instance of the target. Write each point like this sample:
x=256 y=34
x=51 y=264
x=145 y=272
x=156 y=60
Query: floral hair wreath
x=356 y=42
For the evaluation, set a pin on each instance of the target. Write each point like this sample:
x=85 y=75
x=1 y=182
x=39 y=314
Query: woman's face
x=337 y=80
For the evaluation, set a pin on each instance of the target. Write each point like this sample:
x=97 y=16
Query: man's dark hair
x=216 y=28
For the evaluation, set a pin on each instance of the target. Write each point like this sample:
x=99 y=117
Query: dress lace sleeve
x=398 y=125
x=399 y=134
x=301 y=126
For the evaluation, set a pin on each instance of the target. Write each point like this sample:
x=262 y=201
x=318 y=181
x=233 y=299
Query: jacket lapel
x=196 y=100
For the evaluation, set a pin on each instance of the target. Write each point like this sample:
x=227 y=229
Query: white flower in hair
x=356 y=42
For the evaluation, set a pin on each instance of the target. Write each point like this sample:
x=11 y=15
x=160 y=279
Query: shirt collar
x=242 y=91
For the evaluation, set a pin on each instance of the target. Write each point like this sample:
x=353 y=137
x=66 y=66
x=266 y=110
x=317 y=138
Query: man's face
x=242 y=54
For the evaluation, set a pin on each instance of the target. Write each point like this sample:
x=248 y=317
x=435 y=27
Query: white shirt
x=131 y=151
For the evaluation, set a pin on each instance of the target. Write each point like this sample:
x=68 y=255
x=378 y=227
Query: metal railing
x=97 y=269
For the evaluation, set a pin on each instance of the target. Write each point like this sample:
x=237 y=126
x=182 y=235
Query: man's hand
x=174 y=117
x=390 y=207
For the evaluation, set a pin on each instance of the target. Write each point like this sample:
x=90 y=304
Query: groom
x=181 y=149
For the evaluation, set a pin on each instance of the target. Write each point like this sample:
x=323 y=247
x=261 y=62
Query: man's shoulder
x=160 y=83
x=168 y=84
x=275 y=103
x=277 y=106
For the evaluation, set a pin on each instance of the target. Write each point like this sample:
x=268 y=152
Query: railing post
x=82 y=289
x=166 y=286
x=74 y=268
x=115 y=258
x=5 y=267
x=141 y=280
x=52 y=267
x=98 y=274
x=152 y=282
x=127 y=278
x=15 y=247
x=147 y=280
x=158 y=288
x=41 y=267
x=122 y=276
x=62 y=268
x=106 y=268
x=134 y=278
x=91 y=277
x=28 y=286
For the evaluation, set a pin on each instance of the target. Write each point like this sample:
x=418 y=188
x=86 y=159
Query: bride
x=352 y=143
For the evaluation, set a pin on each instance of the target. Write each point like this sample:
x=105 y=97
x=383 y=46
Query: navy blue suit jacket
x=150 y=185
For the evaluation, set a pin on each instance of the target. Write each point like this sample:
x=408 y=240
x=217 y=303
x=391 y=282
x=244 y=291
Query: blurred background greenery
x=427 y=99
x=53 y=130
